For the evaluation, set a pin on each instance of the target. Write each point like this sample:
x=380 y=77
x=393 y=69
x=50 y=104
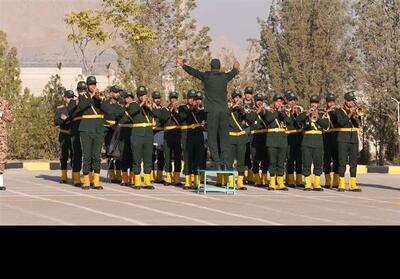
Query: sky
x=36 y=27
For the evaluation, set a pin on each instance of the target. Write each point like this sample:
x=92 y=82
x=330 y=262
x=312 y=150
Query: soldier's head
x=330 y=99
x=141 y=93
x=81 y=87
x=236 y=96
x=128 y=97
x=314 y=101
x=115 y=92
x=215 y=65
x=349 y=98
x=190 y=96
x=173 y=97
x=248 y=94
x=198 y=99
x=156 y=96
x=291 y=98
x=68 y=96
x=91 y=84
x=259 y=100
x=278 y=101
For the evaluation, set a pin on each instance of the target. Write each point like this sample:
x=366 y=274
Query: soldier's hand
x=236 y=65
x=181 y=62
x=63 y=116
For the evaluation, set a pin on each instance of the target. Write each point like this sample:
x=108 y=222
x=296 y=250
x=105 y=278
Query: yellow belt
x=142 y=125
x=169 y=128
x=111 y=122
x=90 y=116
x=194 y=126
x=64 y=131
x=274 y=130
x=237 y=134
x=313 y=132
x=344 y=130
x=126 y=125
x=158 y=129
x=289 y=132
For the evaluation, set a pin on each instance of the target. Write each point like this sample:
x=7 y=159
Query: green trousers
x=276 y=160
x=91 y=150
x=66 y=150
x=76 y=153
x=331 y=162
x=312 y=155
x=125 y=150
x=347 y=152
x=294 y=161
x=218 y=126
x=142 y=151
x=237 y=151
x=259 y=154
x=173 y=153
x=109 y=132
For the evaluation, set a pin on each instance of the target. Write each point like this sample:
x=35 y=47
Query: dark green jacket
x=215 y=87
x=330 y=136
x=275 y=120
x=257 y=122
x=90 y=107
x=64 y=125
x=111 y=112
x=191 y=117
x=158 y=127
x=343 y=121
x=236 y=125
x=294 y=138
x=168 y=120
x=74 y=112
x=313 y=140
x=142 y=115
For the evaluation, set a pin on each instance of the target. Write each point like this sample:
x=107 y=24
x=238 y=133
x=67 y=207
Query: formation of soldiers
x=293 y=144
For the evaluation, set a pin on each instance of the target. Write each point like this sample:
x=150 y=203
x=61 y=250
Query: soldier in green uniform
x=295 y=137
x=237 y=139
x=91 y=130
x=277 y=119
x=314 y=122
x=248 y=104
x=62 y=120
x=112 y=109
x=158 y=152
x=331 y=163
x=348 y=130
x=142 y=116
x=215 y=85
x=258 y=139
x=172 y=140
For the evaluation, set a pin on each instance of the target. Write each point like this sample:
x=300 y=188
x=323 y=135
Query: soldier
x=295 y=137
x=348 y=129
x=62 y=120
x=248 y=102
x=277 y=120
x=158 y=152
x=6 y=116
x=256 y=118
x=142 y=116
x=331 y=163
x=215 y=84
x=91 y=132
x=237 y=138
x=172 y=140
x=112 y=109
x=314 y=122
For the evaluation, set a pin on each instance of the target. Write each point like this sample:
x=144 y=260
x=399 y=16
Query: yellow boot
x=219 y=179
x=342 y=186
x=250 y=177
x=328 y=180
x=86 y=182
x=159 y=177
x=230 y=181
x=147 y=182
x=272 y=183
x=96 y=181
x=264 y=179
x=353 y=185
x=258 y=180
x=91 y=177
x=307 y=186
x=188 y=182
x=177 y=179
x=290 y=180
x=202 y=178
x=168 y=179
x=281 y=184
x=76 y=179
x=192 y=178
x=138 y=182
x=317 y=183
x=111 y=175
x=64 y=176
x=335 y=182
x=132 y=179
x=196 y=182
x=299 y=180
x=152 y=176
x=240 y=185
x=118 y=176
x=224 y=180
x=125 y=179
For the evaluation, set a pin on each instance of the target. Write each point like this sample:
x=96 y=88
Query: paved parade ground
x=36 y=198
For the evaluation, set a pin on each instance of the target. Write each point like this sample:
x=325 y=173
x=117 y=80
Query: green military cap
x=199 y=95
x=115 y=89
x=259 y=97
x=290 y=96
x=173 y=94
x=81 y=86
x=350 y=96
x=156 y=95
x=315 y=99
x=330 y=97
x=277 y=97
x=191 y=94
x=141 y=90
x=91 y=80
x=249 y=90
x=126 y=94
x=236 y=93
x=69 y=94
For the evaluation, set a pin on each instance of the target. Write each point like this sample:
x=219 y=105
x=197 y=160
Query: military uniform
x=258 y=139
x=91 y=130
x=331 y=163
x=158 y=152
x=64 y=137
x=276 y=146
x=237 y=140
x=171 y=123
x=294 y=137
x=348 y=142
x=142 y=139
x=248 y=158
x=215 y=85
x=6 y=116
x=312 y=146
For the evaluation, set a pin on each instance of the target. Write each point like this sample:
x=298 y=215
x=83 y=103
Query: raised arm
x=234 y=72
x=191 y=71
